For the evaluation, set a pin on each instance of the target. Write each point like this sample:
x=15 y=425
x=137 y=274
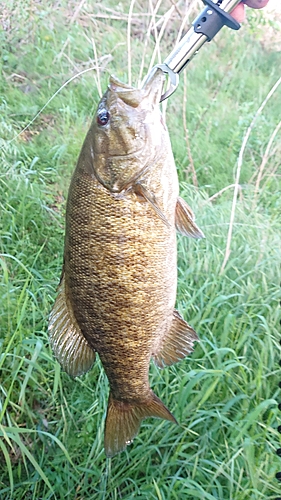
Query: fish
x=117 y=292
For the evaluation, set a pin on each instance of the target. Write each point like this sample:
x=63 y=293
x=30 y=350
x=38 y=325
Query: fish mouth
x=149 y=93
x=129 y=95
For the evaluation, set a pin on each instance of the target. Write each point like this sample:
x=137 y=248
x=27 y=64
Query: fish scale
x=118 y=286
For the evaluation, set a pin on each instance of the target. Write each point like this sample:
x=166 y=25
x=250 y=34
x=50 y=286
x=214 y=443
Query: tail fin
x=123 y=421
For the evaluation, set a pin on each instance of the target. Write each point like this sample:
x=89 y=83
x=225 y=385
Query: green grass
x=225 y=395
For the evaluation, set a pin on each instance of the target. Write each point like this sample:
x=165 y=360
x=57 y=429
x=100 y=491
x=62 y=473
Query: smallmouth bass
x=118 y=286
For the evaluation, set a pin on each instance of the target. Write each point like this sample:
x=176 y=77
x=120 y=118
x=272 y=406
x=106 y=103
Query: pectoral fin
x=68 y=343
x=176 y=344
x=142 y=191
x=185 y=220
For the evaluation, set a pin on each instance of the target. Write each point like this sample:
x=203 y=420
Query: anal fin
x=176 y=344
x=123 y=420
x=185 y=220
x=68 y=343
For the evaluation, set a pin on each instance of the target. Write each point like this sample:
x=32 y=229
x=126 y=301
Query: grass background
x=225 y=395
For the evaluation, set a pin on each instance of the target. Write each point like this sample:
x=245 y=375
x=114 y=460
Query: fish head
x=127 y=132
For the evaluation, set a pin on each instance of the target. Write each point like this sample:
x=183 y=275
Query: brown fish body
x=118 y=288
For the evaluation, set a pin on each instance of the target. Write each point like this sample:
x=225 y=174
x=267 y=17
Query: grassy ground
x=224 y=396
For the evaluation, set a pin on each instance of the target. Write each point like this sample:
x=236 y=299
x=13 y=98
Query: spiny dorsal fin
x=142 y=191
x=123 y=421
x=185 y=220
x=68 y=343
x=176 y=344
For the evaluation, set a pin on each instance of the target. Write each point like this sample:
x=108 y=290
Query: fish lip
x=129 y=95
x=115 y=82
x=149 y=92
x=152 y=85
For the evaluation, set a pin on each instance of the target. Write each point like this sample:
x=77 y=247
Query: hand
x=239 y=11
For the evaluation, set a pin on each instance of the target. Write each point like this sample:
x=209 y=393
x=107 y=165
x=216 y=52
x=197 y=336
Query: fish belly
x=121 y=274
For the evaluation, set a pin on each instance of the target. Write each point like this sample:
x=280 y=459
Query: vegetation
x=225 y=395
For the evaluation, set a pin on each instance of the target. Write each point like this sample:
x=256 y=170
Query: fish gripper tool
x=209 y=22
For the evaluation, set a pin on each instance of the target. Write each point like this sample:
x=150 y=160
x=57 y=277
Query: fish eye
x=103 y=117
